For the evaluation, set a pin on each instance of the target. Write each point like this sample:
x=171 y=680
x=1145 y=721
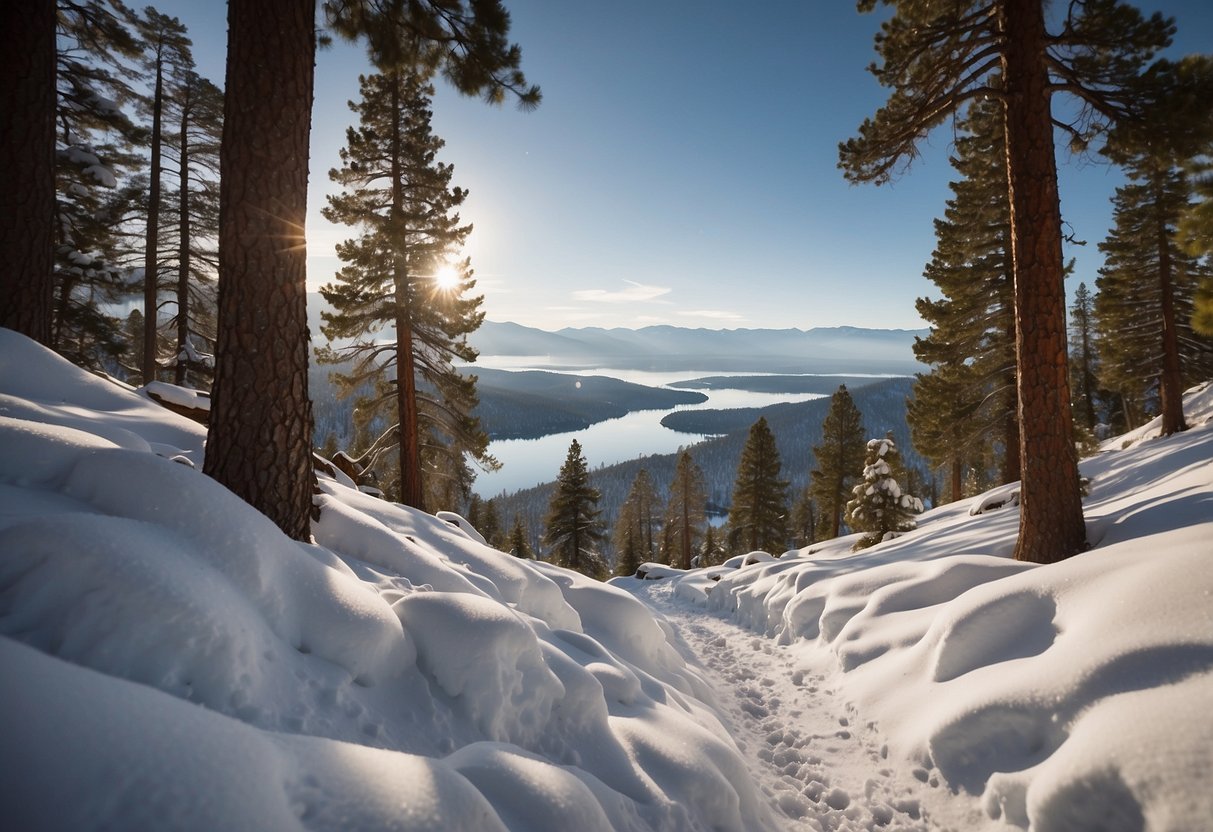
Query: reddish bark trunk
x=259 y=443
x=27 y=167
x=957 y=480
x=1050 y=522
x=411 y=489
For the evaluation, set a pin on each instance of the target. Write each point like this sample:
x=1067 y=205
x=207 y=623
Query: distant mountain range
x=844 y=349
x=669 y=348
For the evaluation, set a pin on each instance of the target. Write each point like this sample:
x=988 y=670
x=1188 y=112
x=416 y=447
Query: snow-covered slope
x=169 y=660
x=1073 y=696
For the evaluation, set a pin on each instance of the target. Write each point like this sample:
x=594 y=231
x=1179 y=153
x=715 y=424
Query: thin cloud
x=634 y=293
x=714 y=314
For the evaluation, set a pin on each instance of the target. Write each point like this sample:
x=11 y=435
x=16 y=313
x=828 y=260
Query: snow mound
x=169 y=660
x=1060 y=697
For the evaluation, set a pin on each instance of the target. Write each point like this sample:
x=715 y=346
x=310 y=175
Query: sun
x=446 y=277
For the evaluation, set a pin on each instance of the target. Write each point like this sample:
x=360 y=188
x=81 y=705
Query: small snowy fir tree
x=878 y=506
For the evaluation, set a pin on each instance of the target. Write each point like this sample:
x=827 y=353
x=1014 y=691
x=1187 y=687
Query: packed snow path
x=820 y=769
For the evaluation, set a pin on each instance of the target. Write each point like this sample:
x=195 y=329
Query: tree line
x=857 y=485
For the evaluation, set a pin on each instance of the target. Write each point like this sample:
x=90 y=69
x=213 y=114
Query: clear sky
x=682 y=167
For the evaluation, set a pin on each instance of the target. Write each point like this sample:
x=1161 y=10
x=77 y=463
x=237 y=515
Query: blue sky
x=682 y=168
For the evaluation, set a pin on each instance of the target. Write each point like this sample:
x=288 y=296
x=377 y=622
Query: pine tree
x=625 y=539
x=1147 y=283
x=400 y=273
x=937 y=58
x=259 y=439
x=806 y=519
x=839 y=457
x=573 y=528
x=98 y=179
x=685 y=515
x=711 y=553
x=878 y=504
x=758 y=517
x=490 y=525
x=638 y=519
x=199 y=111
x=519 y=547
x=967 y=402
x=166 y=59
x=1084 y=361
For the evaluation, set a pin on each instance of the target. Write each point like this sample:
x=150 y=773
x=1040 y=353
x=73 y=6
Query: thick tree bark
x=27 y=167
x=411 y=490
x=1170 y=391
x=1011 y=468
x=183 y=252
x=1050 y=523
x=259 y=443
x=151 y=264
x=957 y=477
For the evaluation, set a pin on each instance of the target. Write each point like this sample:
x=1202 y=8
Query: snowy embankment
x=169 y=660
x=1073 y=696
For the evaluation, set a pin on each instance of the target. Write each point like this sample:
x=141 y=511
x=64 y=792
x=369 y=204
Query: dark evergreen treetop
x=573 y=528
x=758 y=517
x=466 y=40
x=839 y=457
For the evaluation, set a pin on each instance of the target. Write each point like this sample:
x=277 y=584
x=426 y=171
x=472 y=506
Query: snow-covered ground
x=977 y=691
x=169 y=660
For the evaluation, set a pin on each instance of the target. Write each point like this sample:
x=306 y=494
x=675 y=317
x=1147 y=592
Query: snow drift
x=1073 y=696
x=169 y=660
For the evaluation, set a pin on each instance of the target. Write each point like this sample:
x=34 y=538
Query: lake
x=530 y=462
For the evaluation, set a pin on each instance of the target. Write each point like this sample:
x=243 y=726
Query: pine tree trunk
x=411 y=491
x=1170 y=391
x=260 y=438
x=957 y=484
x=1011 y=468
x=183 y=252
x=27 y=167
x=1050 y=521
x=151 y=240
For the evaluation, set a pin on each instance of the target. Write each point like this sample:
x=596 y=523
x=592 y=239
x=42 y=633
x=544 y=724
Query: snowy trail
x=820 y=770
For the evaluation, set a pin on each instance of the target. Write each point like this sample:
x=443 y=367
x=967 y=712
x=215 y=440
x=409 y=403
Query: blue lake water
x=529 y=462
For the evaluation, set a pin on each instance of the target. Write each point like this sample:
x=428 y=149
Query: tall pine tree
x=400 y=273
x=1146 y=286
x=937 y=58
x=758 y=517
x=685 y=512
x=1084 y=360
x=966 y=405
x=573 y=529
x=839 y=457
